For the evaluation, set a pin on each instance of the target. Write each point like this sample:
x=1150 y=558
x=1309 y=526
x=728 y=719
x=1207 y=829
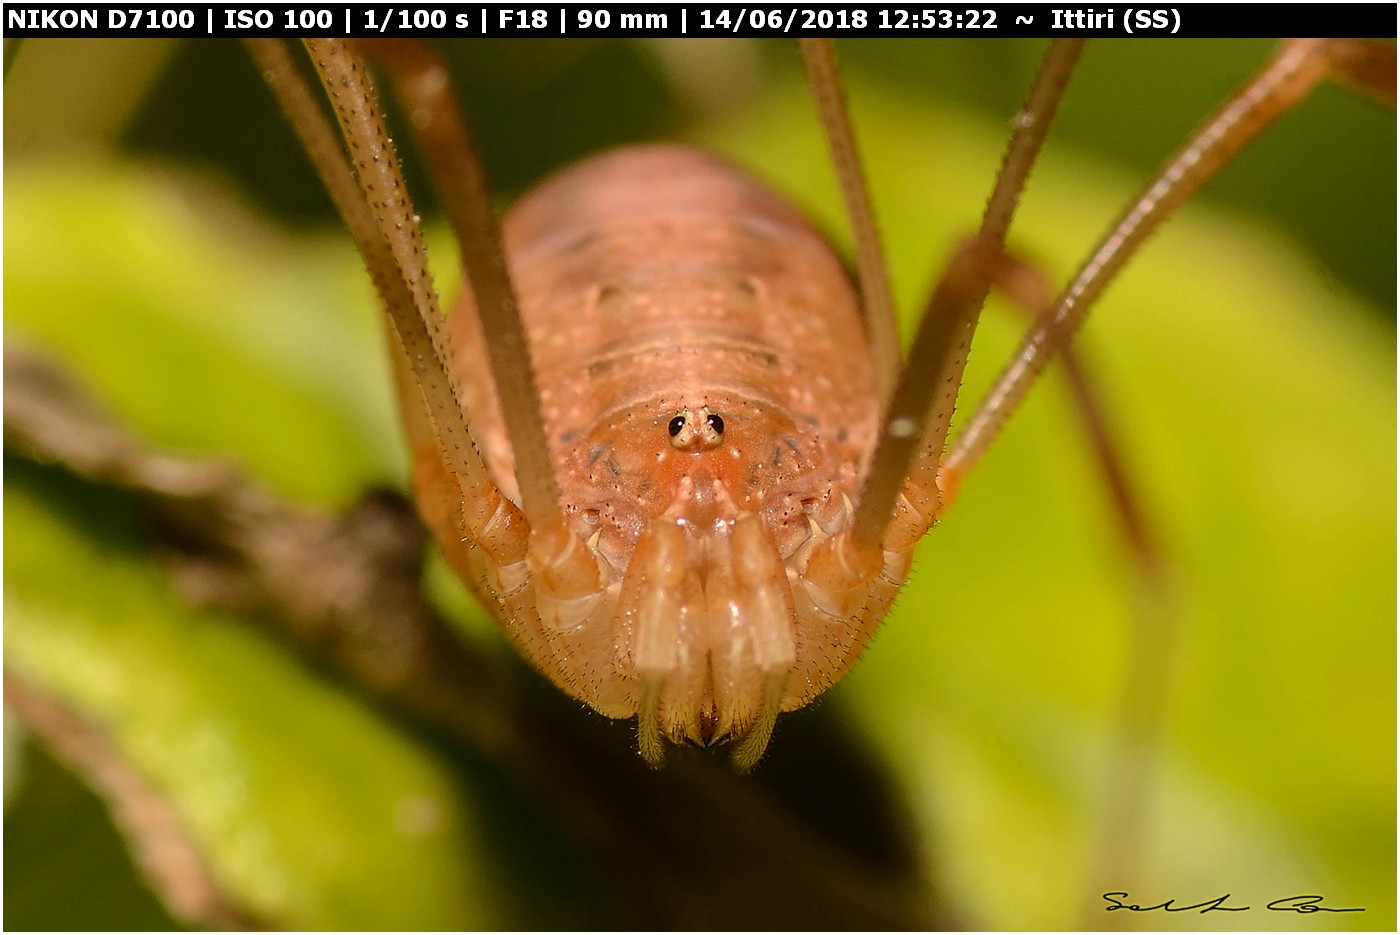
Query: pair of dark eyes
x=712 y=420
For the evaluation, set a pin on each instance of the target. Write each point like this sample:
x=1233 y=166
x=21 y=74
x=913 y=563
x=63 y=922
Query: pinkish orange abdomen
x=657 y=285
x=655 y=277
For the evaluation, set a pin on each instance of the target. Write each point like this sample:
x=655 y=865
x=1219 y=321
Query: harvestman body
x=710 y=404
x=691 y=486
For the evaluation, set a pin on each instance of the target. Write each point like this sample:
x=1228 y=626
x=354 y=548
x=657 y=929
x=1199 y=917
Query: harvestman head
x=616 y=442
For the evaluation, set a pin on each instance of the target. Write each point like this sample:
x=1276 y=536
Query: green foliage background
x=1248 y=363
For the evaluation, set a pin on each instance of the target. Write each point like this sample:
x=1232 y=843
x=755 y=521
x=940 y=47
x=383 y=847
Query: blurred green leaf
x=201 y=329
x=310 y=809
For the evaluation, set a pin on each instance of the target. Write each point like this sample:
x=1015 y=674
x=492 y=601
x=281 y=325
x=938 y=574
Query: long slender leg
x=1029 y=289
x=919 y=413
x=1153 y=615
x=565 y=568
x=403 y=285
x=876 y=304
x=423 y=86
x=1365 y=67
x=1283 y=82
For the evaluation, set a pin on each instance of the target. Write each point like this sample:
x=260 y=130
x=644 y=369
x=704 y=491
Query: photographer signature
x=1300 y=904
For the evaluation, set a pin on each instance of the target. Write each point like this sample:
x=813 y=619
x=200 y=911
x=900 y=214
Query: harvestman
x=691 y=484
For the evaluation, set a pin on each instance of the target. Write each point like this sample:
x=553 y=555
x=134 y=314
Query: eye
x=715 y=422
x=675 y=426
